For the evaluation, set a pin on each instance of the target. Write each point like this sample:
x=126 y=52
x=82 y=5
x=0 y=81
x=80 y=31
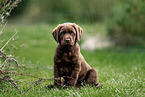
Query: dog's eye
x=64 y=32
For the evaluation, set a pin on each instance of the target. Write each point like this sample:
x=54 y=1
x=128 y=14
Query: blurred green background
x=124 y=20
x=56 y=11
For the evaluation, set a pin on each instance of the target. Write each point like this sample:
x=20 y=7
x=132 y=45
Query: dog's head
x=67 y=33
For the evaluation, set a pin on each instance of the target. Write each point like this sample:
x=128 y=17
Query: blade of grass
x=8 y=41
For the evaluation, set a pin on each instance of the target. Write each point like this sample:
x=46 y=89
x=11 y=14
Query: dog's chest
x=65 y=69
x=66 y=63
x=67 y=57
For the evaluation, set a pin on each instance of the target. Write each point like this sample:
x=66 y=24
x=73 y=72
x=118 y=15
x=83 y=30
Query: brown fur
x=68 y=61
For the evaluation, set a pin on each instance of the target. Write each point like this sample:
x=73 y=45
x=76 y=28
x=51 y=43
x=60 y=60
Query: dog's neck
x=67 y=53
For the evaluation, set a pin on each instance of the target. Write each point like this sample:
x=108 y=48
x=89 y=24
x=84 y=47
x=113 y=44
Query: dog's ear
x=79 y=31
x=55 y=32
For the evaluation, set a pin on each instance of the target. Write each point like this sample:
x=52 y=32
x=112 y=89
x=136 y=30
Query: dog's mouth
x=66 y=43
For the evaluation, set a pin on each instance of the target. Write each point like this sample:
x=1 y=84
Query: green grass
x=122 y=71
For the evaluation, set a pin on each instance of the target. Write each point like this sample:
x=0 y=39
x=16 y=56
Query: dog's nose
x=67 y=39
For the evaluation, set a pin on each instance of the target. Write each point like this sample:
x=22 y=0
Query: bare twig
x=8 y=79
x=33 y=76
x=8 y=41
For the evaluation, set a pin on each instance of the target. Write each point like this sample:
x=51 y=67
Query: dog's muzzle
x=68 y=40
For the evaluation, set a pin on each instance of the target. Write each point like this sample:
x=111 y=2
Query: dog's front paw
x=98 y=85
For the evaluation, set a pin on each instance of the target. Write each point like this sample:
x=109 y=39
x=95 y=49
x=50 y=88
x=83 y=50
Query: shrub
x=126 y=25
x=8 y=64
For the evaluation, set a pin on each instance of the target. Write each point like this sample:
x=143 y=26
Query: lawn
x=121 y=70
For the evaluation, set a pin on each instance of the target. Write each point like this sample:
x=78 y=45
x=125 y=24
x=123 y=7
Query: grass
x=122 y=71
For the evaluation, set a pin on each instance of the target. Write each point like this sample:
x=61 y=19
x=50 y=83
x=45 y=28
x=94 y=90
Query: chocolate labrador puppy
x=68 y=61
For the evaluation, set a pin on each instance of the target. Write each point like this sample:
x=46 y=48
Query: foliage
x=126 y=25
x=54 y=11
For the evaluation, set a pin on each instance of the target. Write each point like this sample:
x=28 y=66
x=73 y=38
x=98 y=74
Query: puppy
x=69 y=63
